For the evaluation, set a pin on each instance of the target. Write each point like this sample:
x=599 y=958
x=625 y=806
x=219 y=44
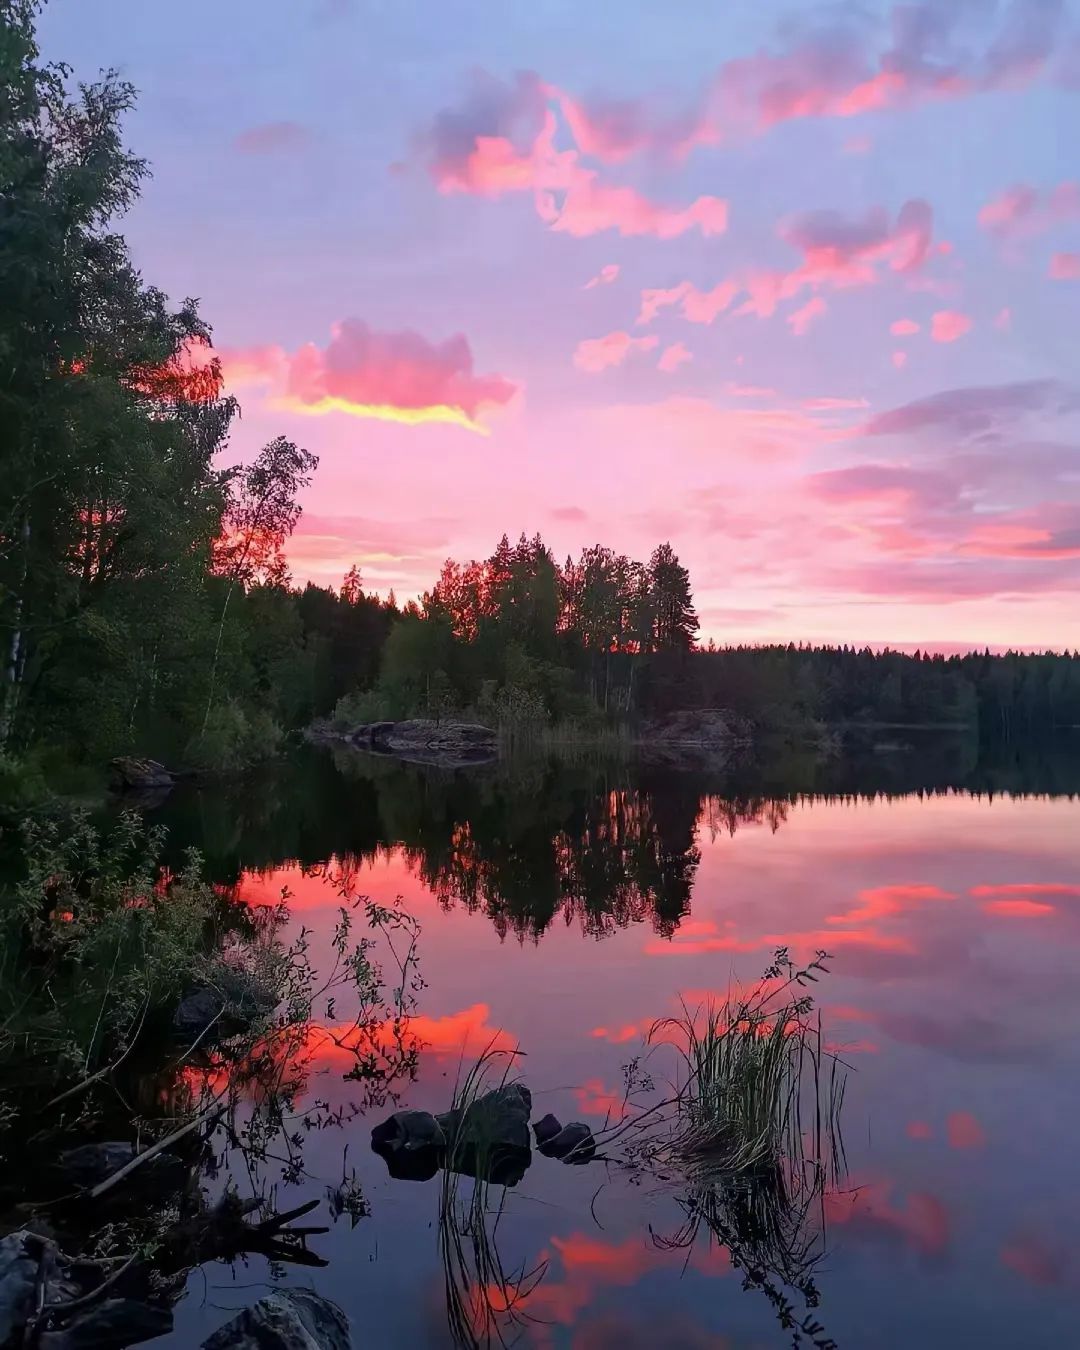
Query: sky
x=793 y=286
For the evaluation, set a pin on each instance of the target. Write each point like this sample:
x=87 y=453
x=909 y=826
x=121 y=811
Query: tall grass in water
x=749 y=1137
x=484 y=1300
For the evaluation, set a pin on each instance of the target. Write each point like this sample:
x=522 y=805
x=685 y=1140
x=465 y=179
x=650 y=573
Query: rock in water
x=127 y=773
x=547 y=1127
x=290 y=1319
x=574 y=1143
x=491 y=1137
x=412 y=1144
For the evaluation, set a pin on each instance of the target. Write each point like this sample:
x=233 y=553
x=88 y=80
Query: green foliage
x=22 y=783
x=92 y=940
x=233 y=739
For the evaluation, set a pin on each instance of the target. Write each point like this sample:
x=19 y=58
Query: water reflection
x=953 y=912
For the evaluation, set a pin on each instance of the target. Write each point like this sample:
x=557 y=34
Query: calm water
x=566 y=908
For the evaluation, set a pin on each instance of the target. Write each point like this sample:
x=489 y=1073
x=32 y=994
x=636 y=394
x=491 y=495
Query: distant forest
x=145 y=599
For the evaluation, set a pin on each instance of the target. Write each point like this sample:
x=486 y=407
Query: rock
x=18 y=1280
x=547 y=1127
x=426 y=741
x=226 y=1008
x=412 y=1143
x=112 y=1325
x=491 y=1137
x=574 y=1143
x=88 y=1164
x=128 y=773
x=289 y=1319
x=704 y=727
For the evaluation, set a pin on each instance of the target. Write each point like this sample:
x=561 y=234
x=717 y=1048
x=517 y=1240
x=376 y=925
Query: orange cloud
x=1027 y=889
x=881 y=902
x=396 y=377
x=922 y=1222
x=672 y=357
x=948 y=324
x=597 y=354
x=594 y=1098
x=963 y=1131
x=468 y=1032
x=1019 y=909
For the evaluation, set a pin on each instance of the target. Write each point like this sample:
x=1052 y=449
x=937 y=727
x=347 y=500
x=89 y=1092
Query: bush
x=362 y=705
x=233 y=739
x=22 y=783
x=92 y=939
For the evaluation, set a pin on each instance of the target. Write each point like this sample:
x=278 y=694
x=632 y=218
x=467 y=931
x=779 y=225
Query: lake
x=566 y=906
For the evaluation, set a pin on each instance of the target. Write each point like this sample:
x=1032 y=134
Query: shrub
x=233 y=739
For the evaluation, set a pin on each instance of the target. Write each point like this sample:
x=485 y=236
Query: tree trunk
x=16 y=656
x=217 y=654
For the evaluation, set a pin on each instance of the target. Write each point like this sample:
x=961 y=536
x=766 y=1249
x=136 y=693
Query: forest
x=146 y=603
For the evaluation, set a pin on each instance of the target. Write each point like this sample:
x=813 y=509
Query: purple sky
x=797 y=287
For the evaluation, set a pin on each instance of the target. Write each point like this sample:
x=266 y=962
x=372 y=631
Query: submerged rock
x=412 y=1143
x=289 y=1319
x=129 y=773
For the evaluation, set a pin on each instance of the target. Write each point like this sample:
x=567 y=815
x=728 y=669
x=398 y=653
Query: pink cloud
x=398 y=377
x=590 y=207
x=596 y=354
x=604 y=277
x=271 y=138
x=858 y=145
x=963 y=1131
x=948 y=325
x=735 y=390
x=919 y=1129
x=502 y=140
x=1022 y=212
x=671 y=358
x=1019 y=909
x=800 y=320
x=1065 y=267
x=899 y=360
x=904 y=328
x=837 y=252
x=1003 y=320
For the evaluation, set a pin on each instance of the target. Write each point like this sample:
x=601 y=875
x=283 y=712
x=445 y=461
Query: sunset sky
x=794 y=286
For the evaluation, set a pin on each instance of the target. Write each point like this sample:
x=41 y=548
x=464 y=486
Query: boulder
x=90 y=1164
x=225 y=1008
x=573 y=1143
x=289 y=1319
x=412 y=1144
x=490 y=1138
x=18 y=1283
x=128 y=773
x=113 y=1325
x=427 y=741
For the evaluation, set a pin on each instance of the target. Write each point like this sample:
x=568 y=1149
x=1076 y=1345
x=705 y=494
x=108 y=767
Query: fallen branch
x=162 y=1144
